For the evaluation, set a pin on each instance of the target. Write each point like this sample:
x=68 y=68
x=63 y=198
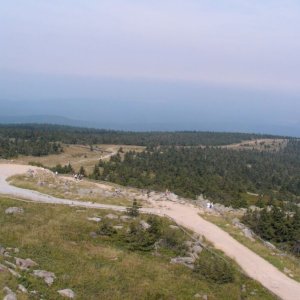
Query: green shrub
x=214 y=268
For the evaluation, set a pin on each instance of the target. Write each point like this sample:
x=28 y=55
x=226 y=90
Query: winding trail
x=185 y=215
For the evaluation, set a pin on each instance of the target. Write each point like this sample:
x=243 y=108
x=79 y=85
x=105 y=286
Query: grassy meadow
x=58 y=238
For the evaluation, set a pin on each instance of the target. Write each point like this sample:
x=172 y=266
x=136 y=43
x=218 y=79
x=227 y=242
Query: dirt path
x=187 y=216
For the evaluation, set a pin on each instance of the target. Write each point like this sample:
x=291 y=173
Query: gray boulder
x=67 y=293
x=47 y=276
x=95 y=219
x=111 y=216
x=14 y=210
x=144 y=224
x=10 y=295
x=25 y=264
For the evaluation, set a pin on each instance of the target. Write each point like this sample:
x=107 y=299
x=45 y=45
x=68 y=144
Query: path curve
x=185 y=215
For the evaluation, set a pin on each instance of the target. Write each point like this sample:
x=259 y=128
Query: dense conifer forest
x=220 y=174
x=74 y=135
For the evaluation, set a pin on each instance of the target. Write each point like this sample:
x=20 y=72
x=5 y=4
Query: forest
x=279 y=225
x=222 y=175
x=87 y=136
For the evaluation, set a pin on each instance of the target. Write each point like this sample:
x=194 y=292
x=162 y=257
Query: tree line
x=222 y=175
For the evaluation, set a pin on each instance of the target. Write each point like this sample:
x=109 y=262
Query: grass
x=58 y=239
x=77 y=155
x=275 y=257
x=68 y=189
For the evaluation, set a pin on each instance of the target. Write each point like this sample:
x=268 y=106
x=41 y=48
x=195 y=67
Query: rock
x=2 y=250
x=95 y=219
x=244 y=290
x=125 y=218
x=248 y=233
x=8 y=263
x=197 y=296
x=118 y=227
x=67 y=293
x=16 y=250
x=188 y=243
x=287 y=271
x=14 y=273
x=174 y=227
x=14 y=210
x=47 y=276
x=205 y=297
x=111 y=216
x=197 y=249
x=10 y=295
x=269 y=245
x=144 y=224
x=3 y=268
x=22 y=289
x=25 y=264
x=186 y=261
x=235 y=221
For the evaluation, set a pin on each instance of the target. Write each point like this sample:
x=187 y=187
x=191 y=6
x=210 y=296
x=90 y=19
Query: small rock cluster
x=25 y=265
x=192 y=254
x=248 y=233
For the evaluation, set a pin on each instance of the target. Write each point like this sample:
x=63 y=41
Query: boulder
x=67 y=293
x=125 y=218
x=197 y=249
x=22 y=289
x=47 y=276
x=248 y=233
x=186 y=261
x=95 y=219
x=10 y=295
x=14 y=210
x=144 y=224
x=269 y=245
x=111 y=216
x=174 y=227
x=25 y=264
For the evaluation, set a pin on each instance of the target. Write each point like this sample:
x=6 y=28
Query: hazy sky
x=241 y=45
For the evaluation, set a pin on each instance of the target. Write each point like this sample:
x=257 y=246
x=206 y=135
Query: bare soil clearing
x=186 y=215
x=78 y=155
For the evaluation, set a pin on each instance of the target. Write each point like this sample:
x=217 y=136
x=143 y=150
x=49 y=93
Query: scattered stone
x=186 y=261
x=3 y=268
x=25 y=264
x=125 y=218
x=16 y=250
x=188 y=243
x=47 y=276
x=269 y=245
x=118 y=227
x=10 y=295
x=174 y=227
x=68 y=293
x=197 y=249
x=111 y=216
x=144 y=224
x=14 y=273
x=22 y=289
x=8 y=263
x=14 y=210
x=248 y=233
x=95 y=219
x=2 y=250
x=244 y=290
x=197 y=296
x=205 y=297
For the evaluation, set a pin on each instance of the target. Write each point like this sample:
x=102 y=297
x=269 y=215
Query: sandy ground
x=185 y=215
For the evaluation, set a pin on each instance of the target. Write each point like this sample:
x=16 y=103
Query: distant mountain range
x=155 y=126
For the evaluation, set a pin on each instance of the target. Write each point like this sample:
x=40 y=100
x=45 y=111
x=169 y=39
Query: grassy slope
x=58 y=239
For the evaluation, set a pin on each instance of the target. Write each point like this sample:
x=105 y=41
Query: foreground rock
x=47 y=276
x=25 y=264
x=67 y=293
x=10 y=295
x=14 y=210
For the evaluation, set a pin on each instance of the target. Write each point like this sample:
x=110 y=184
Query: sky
x=156 y=62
